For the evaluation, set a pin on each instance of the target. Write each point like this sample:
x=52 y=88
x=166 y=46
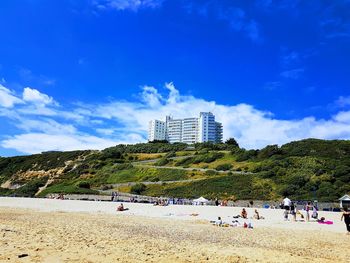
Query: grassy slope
x=301 y=170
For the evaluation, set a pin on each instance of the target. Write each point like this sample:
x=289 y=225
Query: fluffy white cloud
x=151 y=96
x=343 y=117
x=7 y=98
x=45 y=125
x=36 y=97
x=252 y=128
x=96 y=126
x=39 y=142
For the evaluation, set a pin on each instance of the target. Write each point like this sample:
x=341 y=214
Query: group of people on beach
x=161 y=202
x=243 y=216
x=310 y=210
x=56 y=196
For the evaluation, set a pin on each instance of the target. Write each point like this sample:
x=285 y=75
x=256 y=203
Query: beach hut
x=200 y=201
x=344 y=201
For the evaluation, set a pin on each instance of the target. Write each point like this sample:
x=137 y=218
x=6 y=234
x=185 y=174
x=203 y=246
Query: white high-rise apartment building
x=156 y=130
x=188 y=130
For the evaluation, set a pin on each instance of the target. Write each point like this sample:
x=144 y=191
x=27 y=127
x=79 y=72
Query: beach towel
x=326 y=222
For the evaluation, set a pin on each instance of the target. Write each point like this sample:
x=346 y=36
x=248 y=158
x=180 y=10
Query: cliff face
x=22 y=177
x=17 y=172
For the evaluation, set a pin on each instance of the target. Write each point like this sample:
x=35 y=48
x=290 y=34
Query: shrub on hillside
x=83 y=184
x=244 y=155
x=31 y=188
x=210 y=172
x=138 y=189
x=184 y=161
x=223 y=167
x=106 y=187
x=269 y=151
x=170 y=154
x=162 y=162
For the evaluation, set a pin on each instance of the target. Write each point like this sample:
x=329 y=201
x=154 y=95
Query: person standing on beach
x=286 y=205
x=346 y=216
x=314 y=212
x=308 y=207
x=293 y=212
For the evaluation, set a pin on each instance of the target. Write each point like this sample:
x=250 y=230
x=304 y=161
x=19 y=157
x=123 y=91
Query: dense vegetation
x=305 y=169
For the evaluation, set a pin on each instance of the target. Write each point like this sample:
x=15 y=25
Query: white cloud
x=290 y=58
x=39 y=142
x=235 y=17
x=343 y=101
x=122 y=5
x=174 y=94
x=253 y=128
x=343 y=117
x=36 y=97
x=96 y=126
x=47 y=126
x=151 y=96
x=105 y=131
x=7 y=98
x=293 y=73
x=252 y=30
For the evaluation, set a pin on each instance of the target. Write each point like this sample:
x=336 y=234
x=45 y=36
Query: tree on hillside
x=232 y=142
x=269 y=151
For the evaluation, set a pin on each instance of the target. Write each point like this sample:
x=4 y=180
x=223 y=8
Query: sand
x=81 y=231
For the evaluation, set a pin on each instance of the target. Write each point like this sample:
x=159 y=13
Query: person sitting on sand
x=218 y=222
x=244 y=213
x=257 y=216
x=121 y=207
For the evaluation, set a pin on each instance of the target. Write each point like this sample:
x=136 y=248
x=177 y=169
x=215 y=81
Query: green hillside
x=305 y=169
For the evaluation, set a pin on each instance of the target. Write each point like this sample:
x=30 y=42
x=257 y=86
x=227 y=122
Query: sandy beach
x=46 y=230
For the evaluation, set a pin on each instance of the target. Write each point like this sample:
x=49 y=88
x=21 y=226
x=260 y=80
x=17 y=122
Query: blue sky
x=91 y=74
